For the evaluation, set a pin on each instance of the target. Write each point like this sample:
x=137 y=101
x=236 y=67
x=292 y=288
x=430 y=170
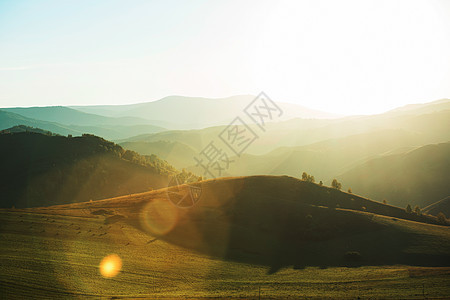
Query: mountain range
x=357 y=150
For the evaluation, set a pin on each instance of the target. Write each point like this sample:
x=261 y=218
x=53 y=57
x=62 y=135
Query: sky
x=346 y=57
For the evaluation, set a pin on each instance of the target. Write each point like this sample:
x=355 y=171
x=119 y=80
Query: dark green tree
x=308 y=178
x=336 y=184
x=304 y=176
x=417 y=210
x=441 y=218
x=408 y=209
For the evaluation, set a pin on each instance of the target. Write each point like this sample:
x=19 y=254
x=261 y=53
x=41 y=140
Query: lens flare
x=159 y=216
x=110 y=266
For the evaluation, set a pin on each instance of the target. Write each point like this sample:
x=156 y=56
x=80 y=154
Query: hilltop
x=24 y=128
x=44 y=169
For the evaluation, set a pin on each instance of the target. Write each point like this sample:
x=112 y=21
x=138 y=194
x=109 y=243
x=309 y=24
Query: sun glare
x=159 y=216
x=110 y=266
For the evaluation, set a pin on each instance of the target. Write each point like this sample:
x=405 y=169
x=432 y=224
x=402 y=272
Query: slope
x=438 y=207
x=327 y=158
x=278 y=222
x=419 y=177
x=42 y=169
x=178 y=154
x=49 y=255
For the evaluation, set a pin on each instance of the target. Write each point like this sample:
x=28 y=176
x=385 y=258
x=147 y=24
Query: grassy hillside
x=281 y=221
x=57 y=256
x=277 y=235
x=438 y=207
x=419 y=177
x=42 y=169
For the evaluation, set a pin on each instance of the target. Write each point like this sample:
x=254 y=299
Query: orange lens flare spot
x=110 y=266
x=159 y=216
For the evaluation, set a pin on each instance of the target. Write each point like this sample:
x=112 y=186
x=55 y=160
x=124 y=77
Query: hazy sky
x=339 y=56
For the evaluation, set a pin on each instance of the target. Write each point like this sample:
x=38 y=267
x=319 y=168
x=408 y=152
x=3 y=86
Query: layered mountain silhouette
x=358 y=150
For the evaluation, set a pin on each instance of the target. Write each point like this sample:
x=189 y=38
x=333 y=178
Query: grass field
x=55 y=252
x=58 y=256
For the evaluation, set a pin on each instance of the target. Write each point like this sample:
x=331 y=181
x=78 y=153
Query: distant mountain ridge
x=69 y=116
x=419 y=177
x=198 y=112
x=103 y=126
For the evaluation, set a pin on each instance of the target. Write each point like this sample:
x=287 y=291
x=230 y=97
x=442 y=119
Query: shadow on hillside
x=246 y=222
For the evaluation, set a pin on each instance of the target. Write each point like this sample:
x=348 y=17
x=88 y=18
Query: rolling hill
x=41 y=169
x=295 y=238
x=279 y=222
x=418 y=177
